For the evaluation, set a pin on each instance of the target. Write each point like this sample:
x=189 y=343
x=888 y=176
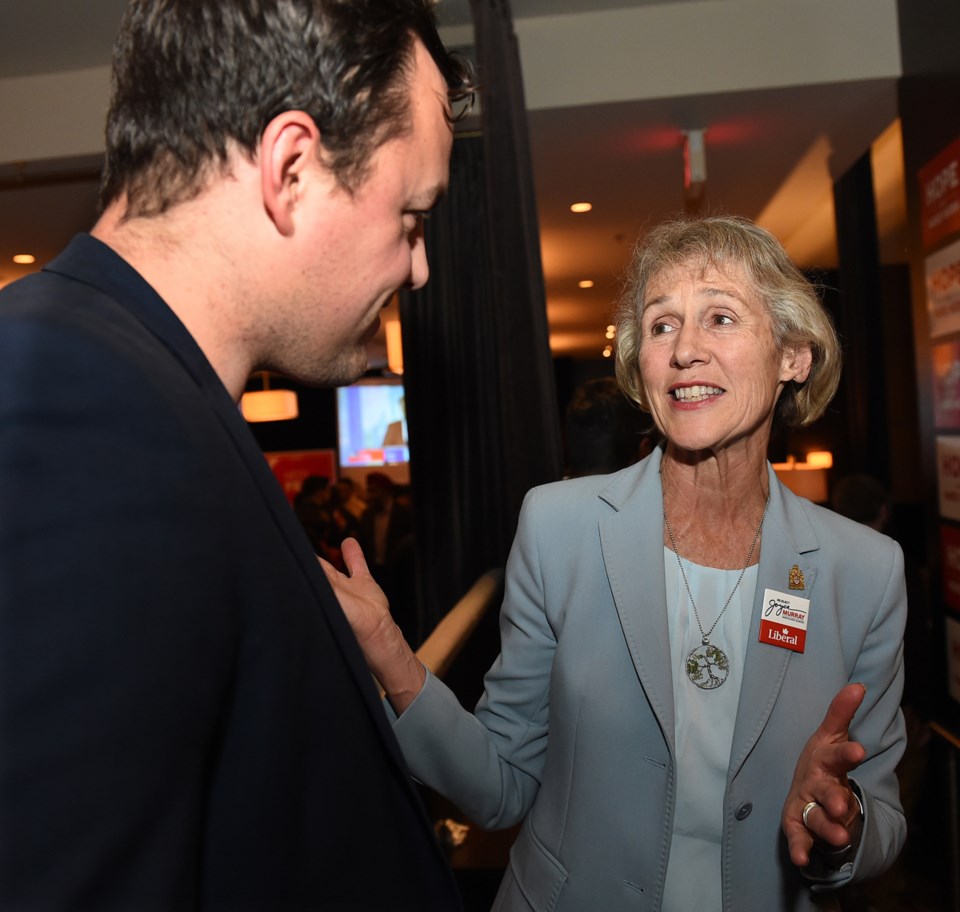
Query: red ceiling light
x=694 y=170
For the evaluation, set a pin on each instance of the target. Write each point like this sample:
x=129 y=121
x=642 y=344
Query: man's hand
x=388 y=655
x=820 y=781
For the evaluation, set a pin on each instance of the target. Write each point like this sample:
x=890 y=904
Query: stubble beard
x=344 y=368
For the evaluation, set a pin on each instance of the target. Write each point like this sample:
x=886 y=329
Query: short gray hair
x=799 y=318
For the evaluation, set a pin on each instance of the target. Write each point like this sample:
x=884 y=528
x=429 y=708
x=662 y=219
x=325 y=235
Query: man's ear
x=795 y=364
x=288 y=148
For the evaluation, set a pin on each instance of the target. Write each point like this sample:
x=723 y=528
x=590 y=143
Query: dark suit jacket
x=186 y=721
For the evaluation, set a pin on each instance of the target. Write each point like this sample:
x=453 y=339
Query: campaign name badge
x=784 y=620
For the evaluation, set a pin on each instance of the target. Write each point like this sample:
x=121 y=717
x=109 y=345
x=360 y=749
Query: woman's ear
x=795 y=364
x=288 y=154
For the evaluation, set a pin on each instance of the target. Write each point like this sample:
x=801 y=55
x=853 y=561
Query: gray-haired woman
x=696 y=704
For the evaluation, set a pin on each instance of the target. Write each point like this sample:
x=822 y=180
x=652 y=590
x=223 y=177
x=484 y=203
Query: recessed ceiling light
x=607 y=351
x=585 y=283
x=24 y=259
x=611 y=334
x=611 y=328
x=581 y=207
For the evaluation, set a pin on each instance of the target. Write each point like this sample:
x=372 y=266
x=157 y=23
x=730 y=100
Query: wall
x=930 y=114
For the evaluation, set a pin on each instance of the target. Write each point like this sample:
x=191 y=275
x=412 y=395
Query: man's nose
x=419 y=269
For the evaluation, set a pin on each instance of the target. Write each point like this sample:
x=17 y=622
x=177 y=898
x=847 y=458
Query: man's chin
x=346 y=369
x=343 y=369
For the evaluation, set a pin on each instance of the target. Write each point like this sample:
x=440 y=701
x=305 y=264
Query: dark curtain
x=481 y=398
x=860 y=324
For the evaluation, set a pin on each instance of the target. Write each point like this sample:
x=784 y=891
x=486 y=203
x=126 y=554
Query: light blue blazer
x=575 y=732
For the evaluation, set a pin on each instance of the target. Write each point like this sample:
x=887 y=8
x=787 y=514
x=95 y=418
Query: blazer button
x=743 y=812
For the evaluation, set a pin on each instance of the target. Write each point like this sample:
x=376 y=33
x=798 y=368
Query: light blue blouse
x=704 y=726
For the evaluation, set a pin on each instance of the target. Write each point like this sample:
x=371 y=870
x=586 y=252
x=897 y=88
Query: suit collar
x=632 y=546
x=631 y=539
x=789 y=541
x=89 y=260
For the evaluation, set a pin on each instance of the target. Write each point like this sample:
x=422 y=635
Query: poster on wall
x=950 y=565
x=940 y=195
x=942 y=272
x=946 y=385
x=292 y=466
x=953 y=658
x=948 y=476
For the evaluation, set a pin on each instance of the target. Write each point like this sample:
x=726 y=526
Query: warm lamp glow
x=269 y=405
x=807 y=479
x=581 y=207
x=820 y=459
x=585 y=283
x=24 y=259
x=394 y=346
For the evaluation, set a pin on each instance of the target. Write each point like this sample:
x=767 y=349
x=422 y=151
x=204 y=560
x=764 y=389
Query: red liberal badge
x=784 y=620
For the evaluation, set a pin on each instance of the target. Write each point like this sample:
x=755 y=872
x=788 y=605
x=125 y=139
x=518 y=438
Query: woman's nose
x=689 y=347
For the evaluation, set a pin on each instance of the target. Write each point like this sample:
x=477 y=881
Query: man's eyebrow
x=429 y=198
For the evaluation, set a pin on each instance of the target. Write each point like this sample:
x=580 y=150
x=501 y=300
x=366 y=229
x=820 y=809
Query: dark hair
x=603 y=430
x=860 y=497
x=192 y=78
x=313 y=484
x=380 y=481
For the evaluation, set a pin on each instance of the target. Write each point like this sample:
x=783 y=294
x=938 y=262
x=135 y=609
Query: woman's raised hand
x=821 y=806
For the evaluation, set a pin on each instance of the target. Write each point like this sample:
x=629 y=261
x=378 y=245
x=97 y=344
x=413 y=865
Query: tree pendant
x=708 y=666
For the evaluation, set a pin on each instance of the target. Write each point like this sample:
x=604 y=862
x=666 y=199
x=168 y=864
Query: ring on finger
x=810 y=805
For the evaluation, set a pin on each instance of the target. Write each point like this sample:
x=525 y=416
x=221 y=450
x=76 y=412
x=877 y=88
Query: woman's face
x=710 y=366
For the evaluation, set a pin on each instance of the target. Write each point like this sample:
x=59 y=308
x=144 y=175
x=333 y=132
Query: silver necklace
x=708 y=665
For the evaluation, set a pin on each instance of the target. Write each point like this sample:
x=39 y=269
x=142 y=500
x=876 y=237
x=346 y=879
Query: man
x=185 y=719
x=350 y=501
x=603 y=430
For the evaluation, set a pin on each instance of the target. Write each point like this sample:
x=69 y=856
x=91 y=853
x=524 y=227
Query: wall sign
x=292 y=466
x=940 y=195
x=946 y=385
x=950 y=565
x=953 y=658
x=948 y=476
x=942 y=276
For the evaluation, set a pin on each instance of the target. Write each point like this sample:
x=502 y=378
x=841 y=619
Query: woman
x=693 y=658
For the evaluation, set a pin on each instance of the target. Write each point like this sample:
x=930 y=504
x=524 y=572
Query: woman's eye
x=723 y=319
x=658 y=329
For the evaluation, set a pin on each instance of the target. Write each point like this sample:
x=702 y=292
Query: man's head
x=314 y=488
x=379 y=490
x=269 y=165
x=192 y=79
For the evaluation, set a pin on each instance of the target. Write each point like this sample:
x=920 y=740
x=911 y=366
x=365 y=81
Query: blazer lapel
x=633 y=557
x=788 y=541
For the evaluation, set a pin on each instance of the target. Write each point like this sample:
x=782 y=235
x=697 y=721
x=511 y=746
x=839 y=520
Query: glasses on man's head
x=463 y=87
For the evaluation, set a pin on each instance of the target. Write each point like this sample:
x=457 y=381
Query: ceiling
x=771 y=154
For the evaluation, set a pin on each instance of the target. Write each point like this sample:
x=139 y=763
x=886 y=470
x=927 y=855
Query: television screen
x=372 y=424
